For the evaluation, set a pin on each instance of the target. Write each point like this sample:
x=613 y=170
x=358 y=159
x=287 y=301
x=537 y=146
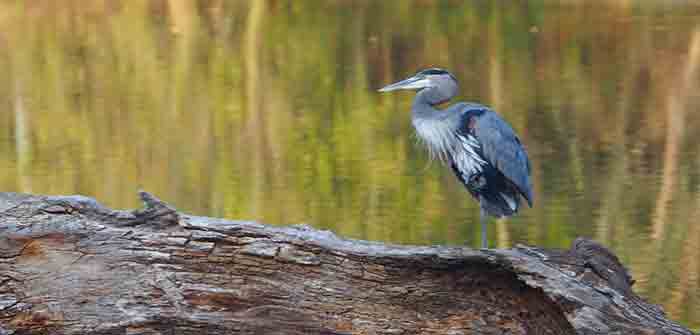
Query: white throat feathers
x=437 y=135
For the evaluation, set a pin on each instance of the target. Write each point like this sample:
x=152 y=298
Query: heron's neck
x=433 y=127
x=421 y=109
x=424 y=104
x=431 y=97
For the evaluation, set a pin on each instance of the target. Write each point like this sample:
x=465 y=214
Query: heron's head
x=439 y=85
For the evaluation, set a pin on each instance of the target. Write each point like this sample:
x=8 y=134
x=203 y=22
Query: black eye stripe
x=436 y=71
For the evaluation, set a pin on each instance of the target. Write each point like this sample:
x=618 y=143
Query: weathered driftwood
x=71 y=266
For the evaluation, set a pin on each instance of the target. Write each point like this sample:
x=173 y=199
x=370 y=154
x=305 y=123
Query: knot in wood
x=603 y=262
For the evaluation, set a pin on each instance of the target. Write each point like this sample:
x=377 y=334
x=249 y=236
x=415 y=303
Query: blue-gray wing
x=502 y=149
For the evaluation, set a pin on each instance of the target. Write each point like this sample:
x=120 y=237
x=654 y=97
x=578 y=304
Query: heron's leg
x=483 y=217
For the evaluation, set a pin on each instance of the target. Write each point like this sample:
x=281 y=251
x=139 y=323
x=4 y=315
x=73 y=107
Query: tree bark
x=69 y=265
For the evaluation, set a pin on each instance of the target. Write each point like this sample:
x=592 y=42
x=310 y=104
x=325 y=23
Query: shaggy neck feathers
x=434 y=127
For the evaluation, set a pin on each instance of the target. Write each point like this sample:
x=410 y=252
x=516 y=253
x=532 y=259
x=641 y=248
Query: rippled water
x=269 y=111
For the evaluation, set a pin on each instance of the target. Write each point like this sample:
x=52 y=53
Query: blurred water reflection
x=268 y=111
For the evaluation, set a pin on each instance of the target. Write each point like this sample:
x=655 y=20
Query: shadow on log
x=68 y=265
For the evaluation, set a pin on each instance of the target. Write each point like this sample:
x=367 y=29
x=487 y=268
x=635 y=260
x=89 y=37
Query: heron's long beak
x=415 y=82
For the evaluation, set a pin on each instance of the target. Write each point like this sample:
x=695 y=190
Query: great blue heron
x=481 y=148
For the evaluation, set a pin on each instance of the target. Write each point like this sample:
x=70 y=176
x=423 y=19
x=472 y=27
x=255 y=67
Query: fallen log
x=69 y=265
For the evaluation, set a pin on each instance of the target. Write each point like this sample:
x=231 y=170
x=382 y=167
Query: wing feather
x=503 y=150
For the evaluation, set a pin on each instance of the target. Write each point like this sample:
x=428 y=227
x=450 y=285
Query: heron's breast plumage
x=437 y=135
x=447 y=140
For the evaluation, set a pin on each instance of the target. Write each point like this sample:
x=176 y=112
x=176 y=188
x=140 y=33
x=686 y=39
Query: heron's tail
x=501 y=203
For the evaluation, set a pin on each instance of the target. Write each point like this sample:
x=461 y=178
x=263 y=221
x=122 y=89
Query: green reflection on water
x=268 y=111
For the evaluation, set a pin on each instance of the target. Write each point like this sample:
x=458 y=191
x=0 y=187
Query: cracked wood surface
x=68 y=265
